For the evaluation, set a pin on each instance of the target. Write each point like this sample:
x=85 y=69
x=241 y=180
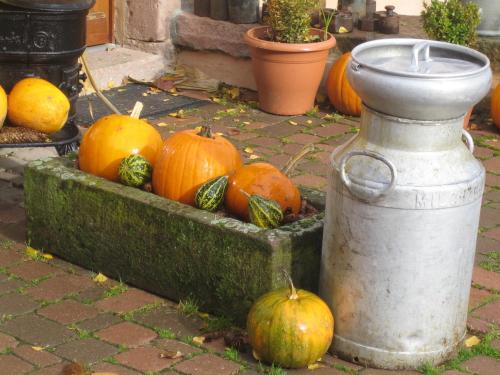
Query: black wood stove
x=45 y=38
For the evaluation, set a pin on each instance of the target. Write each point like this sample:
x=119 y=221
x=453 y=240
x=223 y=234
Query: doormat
x=124 y=99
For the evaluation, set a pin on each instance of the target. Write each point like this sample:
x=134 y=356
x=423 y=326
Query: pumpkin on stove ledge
x=265 y=180
x=189 y=159
x=37 y=104
x=3 y=106
x=290 y=328
x=113 y=138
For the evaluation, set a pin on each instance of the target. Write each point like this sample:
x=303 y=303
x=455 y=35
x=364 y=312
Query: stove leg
x=67 y=148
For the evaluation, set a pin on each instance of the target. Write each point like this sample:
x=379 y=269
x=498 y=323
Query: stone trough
x=166 y=247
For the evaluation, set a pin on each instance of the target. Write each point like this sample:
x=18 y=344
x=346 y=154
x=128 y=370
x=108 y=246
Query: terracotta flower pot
x=287 y=75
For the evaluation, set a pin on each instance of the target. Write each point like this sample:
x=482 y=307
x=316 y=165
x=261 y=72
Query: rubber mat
x=125 y=97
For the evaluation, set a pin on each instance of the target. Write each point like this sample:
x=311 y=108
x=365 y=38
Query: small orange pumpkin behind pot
x=495 y=106
x=113 y=138
x=190 y=158
x=261 y=179
x=341 y=94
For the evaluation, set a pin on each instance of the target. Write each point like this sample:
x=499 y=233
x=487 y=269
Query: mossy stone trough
x=166 y=247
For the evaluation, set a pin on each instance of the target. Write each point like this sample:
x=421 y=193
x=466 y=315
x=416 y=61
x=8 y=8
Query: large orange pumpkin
x=290 y=328
x=113 y=138
x=3 y=106
x=495 y=106
x=341 y=94
x=190 y=158
x=37 y=104
x=261 y=179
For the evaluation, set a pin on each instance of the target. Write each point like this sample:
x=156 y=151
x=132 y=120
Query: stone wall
x=147 y=24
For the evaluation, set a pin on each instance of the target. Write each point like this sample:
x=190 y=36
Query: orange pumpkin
x=467 y=118
x=341 y=94
x=261 y=179
x=190 y=158
x=37 y=104
x=113 y=138
x=495 y=106
x=3 y=106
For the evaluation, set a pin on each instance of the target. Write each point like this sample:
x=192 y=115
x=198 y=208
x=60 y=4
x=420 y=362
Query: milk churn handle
x=469 y=141
x=417 y=49
x=375 y=155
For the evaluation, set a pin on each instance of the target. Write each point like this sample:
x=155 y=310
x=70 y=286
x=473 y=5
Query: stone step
x=111 y=65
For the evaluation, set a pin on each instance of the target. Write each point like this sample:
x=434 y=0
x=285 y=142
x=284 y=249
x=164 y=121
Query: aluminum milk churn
x=403 y=205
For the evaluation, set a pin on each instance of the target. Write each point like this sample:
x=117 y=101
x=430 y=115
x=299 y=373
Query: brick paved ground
x=53 y=313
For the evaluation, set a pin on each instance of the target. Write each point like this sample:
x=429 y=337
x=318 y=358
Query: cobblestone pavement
x=53 y=313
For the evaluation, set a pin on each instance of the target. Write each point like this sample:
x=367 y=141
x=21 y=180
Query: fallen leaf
x=162 y=124
x=309 y=122
x=216 y=118
x=247 y=122
x=33 y=253
x=145 y=94
x=233 y=92
x=292 y=123
x=253 y=157
x=314 y=366
x=171 y=354
x=255 y=355
x=199 y=340
x=219 y=134
x=198 y=128
x=37 y=348
x=248 y=150
x=111 y=84
x=100 y=278
x=216 y=100
x=47 y=256
x=204 y=315
x=472 y=341
x=343 y=30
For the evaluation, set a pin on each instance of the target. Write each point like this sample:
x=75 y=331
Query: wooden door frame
x=111 y=21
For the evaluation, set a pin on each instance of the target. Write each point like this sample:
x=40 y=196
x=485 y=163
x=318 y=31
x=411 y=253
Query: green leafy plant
x=290 y=20
x=451 y=21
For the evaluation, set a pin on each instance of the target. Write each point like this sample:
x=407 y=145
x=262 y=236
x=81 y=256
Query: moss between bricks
x=165 y=247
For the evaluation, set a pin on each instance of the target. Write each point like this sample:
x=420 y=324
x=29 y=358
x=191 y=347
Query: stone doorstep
x=167 y=248
x=110 y=65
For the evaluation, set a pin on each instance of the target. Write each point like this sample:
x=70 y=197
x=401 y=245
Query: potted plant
x=288 y=57
x=453 y=21
x=490 y=17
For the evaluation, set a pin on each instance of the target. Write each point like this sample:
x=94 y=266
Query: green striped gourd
x=135 y=171
x=211 y=194
x=265 y=213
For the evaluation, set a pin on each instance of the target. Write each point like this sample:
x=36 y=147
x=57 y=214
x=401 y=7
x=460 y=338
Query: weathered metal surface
x=402 y=216
x=419 y=79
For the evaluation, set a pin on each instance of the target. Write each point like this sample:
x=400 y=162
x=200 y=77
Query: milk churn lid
x=419 y=58
x=52 y=5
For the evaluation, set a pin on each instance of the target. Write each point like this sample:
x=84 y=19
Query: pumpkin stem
x=136 y=112
x=206 y=131
x=293 y=292
x=290 y=165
